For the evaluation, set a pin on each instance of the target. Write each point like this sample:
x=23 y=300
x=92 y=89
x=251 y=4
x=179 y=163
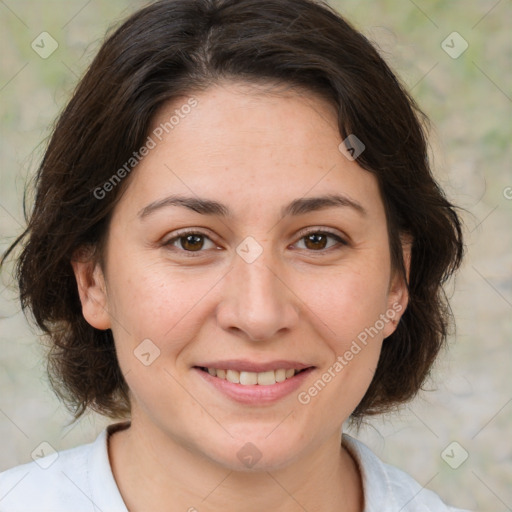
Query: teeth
x=280 y=375
x=233 y=376
x=248 y=378
x=251 y=378
x=267 y=378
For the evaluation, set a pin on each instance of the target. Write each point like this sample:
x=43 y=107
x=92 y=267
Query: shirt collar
x=376 y=486
x=106 y=496
x=105 y=493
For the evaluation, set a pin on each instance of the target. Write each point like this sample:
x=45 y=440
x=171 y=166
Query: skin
x=255 y=151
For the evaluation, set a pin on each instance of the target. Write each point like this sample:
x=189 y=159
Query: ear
x=398 y=296
x=91 y=289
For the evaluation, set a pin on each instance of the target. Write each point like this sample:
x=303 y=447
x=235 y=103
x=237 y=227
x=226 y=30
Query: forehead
x=252 y=147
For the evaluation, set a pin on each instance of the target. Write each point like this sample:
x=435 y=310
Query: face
x=246 y=244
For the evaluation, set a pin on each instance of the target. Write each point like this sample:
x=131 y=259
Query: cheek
x=158 y=312
x=348 y=302
x=348 y=313
x=152 y=299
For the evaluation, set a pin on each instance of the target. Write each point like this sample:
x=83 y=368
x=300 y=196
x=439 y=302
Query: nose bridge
x=258 y=283
x=255 y=300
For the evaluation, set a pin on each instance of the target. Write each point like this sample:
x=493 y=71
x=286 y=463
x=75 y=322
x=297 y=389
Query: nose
x=257 y=302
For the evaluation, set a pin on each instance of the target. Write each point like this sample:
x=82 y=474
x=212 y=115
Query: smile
x=267 y=378
x=253 y=383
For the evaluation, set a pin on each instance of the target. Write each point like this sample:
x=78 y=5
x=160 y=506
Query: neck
x=156 y=472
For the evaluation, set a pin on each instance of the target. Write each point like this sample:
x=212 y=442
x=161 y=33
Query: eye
x=197 y=242
x=319 y=240
x=191 y=241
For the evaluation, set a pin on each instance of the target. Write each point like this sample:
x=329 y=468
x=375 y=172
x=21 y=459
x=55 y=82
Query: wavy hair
x=173 y=48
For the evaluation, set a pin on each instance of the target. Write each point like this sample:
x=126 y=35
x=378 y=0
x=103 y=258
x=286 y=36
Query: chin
x=252 y=450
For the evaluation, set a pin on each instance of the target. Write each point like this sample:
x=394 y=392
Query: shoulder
x=35 y=484
x=388 y=489
x=63 y=481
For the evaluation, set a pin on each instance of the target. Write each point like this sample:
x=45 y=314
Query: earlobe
x=92 y=291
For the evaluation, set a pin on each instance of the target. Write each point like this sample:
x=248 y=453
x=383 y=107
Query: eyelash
x=195 y=254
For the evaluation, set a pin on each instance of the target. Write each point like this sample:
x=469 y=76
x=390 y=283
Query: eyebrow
x=296 y=207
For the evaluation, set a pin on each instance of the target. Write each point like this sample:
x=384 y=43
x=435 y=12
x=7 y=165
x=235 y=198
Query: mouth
x=252 y=383
x=246 y=378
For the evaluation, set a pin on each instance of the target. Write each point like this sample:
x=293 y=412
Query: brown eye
x=192 y=242
x=316 y=241
x=319 y=240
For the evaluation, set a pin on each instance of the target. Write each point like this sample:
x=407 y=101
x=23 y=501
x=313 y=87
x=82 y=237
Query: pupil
x=316 y=238
x=192 y=242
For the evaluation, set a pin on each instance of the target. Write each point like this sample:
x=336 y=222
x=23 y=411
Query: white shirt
x=81 y=480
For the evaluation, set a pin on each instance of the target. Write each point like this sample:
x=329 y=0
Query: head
x=198 y=203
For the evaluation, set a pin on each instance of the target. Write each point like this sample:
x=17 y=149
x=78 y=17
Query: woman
x=237 y=245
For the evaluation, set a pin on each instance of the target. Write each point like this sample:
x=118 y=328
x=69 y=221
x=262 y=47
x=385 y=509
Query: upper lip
x=251 y=366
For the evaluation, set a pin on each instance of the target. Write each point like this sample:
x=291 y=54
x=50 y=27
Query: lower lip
x=256 y=394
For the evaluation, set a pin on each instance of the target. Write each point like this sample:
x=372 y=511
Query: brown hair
x=175 y=47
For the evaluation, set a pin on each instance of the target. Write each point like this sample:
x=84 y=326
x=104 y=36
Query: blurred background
x=455 y=57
